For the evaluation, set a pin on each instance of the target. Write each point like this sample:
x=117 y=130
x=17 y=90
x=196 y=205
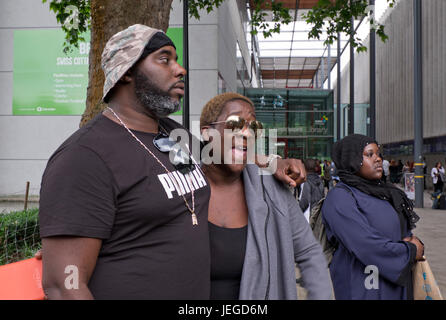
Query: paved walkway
x=431 y=229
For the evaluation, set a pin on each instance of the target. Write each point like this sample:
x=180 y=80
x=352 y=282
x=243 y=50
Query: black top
x=228 y=246
x=101 y=183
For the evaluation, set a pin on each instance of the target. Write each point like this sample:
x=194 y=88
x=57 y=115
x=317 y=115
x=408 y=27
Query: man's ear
x=127 y=77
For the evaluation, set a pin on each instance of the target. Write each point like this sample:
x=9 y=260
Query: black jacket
x=312 y=192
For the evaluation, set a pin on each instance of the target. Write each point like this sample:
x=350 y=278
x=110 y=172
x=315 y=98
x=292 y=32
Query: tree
x=336 y=15
x=104 y=18
x=107 y=17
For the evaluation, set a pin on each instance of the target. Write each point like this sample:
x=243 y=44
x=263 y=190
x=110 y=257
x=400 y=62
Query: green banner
x=48 y=82
x=176 y=35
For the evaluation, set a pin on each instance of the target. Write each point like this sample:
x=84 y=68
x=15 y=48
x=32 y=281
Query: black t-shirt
x=228 y=247
x=101 y=183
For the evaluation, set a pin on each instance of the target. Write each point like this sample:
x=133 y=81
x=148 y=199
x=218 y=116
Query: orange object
x=21 y=280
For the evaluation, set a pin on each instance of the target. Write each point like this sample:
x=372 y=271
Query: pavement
x=431 y=229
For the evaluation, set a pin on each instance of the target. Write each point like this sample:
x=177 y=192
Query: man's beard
x=152 y=98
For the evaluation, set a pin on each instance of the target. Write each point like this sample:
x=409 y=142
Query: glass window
x=304 y=120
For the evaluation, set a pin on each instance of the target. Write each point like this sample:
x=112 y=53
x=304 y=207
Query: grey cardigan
x=278 y=237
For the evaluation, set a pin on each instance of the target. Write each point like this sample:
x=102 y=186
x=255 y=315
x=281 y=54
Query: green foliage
x=75 y=18
x=280 y=16
x=19 y=235
x=336 y=15
x=81 y=17
x=196 y=5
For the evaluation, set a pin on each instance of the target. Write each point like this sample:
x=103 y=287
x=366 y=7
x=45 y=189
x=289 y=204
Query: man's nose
x=180 y=71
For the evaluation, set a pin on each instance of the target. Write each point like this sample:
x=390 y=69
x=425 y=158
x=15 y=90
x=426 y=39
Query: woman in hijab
x=370 y=222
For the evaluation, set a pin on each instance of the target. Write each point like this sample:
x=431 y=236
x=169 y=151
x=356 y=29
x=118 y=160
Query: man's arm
x=68 y=263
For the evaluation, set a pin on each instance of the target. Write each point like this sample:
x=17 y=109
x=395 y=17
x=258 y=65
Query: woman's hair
x=213 y=108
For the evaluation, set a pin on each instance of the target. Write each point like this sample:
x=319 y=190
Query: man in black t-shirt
x=116 y=214
x=118 y=219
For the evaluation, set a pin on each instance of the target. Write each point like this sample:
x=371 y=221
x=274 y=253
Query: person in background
x=256 y=228
x=370 y=222
x=386 y=170
x=400 y=170
x=406 y=167
x=326 y=175
x=312 y=190
x=412 y=166
x=438 y=174
x=318 y=169
x=393 y=168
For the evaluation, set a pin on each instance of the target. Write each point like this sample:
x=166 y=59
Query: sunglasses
x=182 y=161
x=237 y=123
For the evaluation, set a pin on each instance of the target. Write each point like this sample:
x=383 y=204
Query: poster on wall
x=409 y=185
x=46 y=81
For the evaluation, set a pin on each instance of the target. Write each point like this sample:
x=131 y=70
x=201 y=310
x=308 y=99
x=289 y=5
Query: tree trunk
x=107 y=18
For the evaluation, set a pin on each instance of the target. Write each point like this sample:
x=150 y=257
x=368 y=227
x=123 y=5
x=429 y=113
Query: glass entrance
x=303 y=118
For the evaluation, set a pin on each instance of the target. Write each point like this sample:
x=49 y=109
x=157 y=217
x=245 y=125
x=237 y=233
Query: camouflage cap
x=122 y=51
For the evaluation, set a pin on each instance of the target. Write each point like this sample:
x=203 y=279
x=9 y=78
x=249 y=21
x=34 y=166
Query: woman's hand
x=420 y=246
x=38 y=255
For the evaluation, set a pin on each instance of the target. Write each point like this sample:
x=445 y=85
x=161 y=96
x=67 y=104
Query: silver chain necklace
x=192 y=211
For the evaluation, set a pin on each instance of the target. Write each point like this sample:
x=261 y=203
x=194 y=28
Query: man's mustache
x=176 y=84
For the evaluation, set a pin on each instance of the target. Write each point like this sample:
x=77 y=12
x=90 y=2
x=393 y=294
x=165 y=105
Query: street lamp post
x=372 y=76
x=351 y=109
x=186 y=116
x=418 y=105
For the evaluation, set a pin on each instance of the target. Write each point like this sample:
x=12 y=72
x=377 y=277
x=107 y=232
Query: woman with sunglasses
x=257 y=230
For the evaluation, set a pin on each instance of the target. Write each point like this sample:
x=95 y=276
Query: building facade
x=395 y=84
x=219 y=60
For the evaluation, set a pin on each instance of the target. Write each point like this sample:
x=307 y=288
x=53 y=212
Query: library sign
x=49 y=82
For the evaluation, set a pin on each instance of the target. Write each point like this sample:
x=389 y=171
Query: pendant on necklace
x=194 y=219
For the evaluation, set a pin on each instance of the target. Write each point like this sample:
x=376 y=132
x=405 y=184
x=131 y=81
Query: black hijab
x=347 y=155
